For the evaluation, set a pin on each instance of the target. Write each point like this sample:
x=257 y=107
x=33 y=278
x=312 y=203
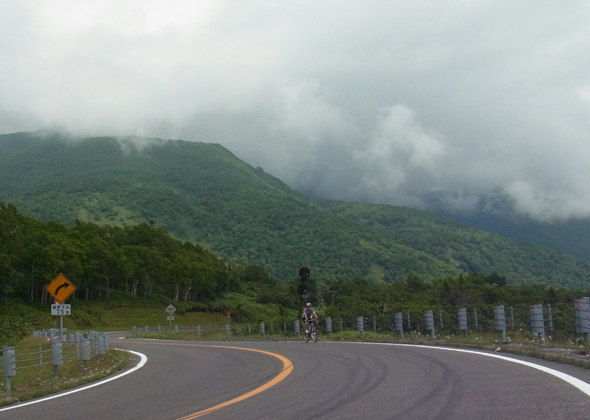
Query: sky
x=466 y=102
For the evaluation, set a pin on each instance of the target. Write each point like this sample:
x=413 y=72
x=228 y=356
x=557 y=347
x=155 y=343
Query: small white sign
x=170 y=318
x=61 y=309
x=170 y=309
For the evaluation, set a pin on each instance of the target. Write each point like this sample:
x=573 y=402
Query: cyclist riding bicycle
x=309 y=315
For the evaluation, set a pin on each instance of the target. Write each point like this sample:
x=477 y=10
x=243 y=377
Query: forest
x=143 y=261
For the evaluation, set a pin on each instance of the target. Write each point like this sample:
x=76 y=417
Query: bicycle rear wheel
x=314 y=336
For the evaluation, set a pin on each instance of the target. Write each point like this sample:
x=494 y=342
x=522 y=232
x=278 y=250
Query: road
x=325 y=380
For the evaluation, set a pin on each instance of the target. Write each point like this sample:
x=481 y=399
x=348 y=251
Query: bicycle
x=310 y=332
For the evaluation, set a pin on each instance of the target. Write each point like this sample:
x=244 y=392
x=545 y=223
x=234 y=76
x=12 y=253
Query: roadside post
x=500 y=320
x=328 y=325
x=537 y=321
x=399 y=324
x=57 y=353
x=9 y=357
x=582 y=310
x=429 y=320
x=360 y=324
x=462 y=313
x=170 y=309
x=302 y=287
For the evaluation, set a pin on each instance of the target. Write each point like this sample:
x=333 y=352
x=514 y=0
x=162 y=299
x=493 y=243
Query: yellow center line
x=287 y=368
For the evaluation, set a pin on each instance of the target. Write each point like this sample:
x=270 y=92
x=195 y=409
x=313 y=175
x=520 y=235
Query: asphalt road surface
x=325 y=380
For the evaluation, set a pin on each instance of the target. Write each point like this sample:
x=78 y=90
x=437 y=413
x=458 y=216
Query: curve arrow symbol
x=64 y=285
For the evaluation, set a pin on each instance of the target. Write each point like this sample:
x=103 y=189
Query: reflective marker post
x=537 y=321
x=9 y=366
x=360 y=324
x=399 y=324
x=582 y=311
x=462 y=313
x=500 y=320
x=429 y=319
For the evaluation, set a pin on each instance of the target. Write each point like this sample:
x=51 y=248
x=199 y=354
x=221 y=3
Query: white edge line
x=581 y=385
x=141 y=363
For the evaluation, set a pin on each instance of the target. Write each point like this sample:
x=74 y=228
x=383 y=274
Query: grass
x=124 y=318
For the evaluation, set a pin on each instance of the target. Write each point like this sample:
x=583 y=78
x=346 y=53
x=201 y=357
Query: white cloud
x=495 y=94
x=398 y=149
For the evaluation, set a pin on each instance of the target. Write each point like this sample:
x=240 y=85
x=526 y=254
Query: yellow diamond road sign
x=61 y=288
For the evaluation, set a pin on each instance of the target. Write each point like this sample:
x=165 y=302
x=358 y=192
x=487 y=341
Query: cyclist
x=308 y=315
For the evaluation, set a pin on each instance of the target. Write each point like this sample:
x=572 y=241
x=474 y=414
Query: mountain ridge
x=203 y=193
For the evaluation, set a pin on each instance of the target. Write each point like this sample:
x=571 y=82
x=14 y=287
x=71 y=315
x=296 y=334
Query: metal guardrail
x=223 y=330
x=74 y=346
x=543 y=321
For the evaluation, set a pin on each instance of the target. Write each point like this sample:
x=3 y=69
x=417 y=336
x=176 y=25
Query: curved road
x=326 y=380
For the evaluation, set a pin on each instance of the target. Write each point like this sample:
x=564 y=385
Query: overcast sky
x=381 y=101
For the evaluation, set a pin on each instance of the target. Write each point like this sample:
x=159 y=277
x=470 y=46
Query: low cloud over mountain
x=382 y=101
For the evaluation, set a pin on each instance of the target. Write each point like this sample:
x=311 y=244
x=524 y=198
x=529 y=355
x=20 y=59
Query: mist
x=390 y=102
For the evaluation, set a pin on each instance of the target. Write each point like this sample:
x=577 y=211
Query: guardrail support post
x=85 y=350
x=99 y=346
x=9 y=366
x=57 y=350
x=40 y=351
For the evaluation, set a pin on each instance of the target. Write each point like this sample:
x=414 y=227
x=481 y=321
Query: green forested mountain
x=571 y=236
x=202 y=193
x=470 y=249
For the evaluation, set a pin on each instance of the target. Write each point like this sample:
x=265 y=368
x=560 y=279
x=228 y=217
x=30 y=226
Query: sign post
x=302 y=288
x=61 y=289
x=170 y=309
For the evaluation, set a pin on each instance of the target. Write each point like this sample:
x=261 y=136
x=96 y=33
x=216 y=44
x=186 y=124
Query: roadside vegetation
x=123 y=273
x=39 y=381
